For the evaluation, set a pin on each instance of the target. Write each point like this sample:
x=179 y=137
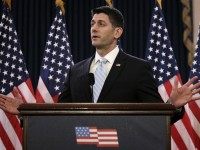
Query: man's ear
x=118 y=32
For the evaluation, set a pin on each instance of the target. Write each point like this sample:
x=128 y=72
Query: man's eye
x=101 y=24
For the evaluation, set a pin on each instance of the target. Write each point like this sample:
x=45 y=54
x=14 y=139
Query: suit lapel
x=114 y=73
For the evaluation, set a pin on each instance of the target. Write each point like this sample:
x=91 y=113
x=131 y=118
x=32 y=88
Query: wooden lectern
x=137 y=126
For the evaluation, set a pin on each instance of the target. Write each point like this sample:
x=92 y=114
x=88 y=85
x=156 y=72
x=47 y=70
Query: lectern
x=96 y=126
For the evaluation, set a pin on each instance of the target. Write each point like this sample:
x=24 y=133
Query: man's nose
x=94 y=28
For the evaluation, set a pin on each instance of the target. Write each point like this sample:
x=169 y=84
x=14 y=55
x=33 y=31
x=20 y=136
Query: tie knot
x=103 y=60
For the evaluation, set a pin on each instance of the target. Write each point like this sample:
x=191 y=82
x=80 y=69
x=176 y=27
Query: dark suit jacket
x=130 y=81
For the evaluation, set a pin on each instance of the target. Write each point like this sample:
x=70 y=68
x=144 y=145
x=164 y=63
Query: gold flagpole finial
x=109 y=3
x=160 y=3
x=60 y=3
x=8 y=2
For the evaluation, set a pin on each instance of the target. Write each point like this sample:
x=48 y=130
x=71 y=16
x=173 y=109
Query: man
x=119 y=77
x=129 y=79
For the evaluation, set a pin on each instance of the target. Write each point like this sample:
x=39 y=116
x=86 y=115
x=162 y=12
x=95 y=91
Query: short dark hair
x=115 y=16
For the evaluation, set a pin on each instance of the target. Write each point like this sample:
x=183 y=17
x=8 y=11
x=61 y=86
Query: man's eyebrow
x=98 y=21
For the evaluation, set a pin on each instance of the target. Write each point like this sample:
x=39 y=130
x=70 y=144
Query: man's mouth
x=95 y=37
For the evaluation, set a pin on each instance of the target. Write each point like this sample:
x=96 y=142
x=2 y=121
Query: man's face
x=103 y=34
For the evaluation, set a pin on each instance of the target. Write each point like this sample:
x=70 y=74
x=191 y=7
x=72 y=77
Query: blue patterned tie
x=100 y=77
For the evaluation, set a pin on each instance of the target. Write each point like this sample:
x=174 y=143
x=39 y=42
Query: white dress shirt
x=110 y=57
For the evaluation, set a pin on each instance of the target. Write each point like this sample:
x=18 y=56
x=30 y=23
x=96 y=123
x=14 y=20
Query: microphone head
x=91 y=78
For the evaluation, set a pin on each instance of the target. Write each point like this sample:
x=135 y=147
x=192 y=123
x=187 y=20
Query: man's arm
x=65 y=96
x=147 y=89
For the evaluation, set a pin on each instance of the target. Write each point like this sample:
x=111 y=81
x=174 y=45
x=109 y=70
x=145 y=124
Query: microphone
x=91 y=79
x=91 y=82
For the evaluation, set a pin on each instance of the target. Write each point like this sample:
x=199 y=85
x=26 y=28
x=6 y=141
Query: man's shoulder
x=82 y=63
x=134 y=59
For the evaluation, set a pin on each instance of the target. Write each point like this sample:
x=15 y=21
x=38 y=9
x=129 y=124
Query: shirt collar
x=110 y=56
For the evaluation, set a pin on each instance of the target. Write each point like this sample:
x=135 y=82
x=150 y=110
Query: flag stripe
x=107 y=137
x=15 y=124
x=39 y=97
x=184 y=134
x=163 y=92
x=4 y=139
x=30 y=86
x=110 y=144
x=86 y=141
x=173 y=144
x=179 y=143
x=193 y=134
x=5 y=122
x=43 y=91
x=195 y=109
x=193 y=120
x=168 y=87
x=26 y=93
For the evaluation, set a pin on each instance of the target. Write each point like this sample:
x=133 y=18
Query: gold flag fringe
x=60 y=3
x=160 y=3
x=109 y=3
x=8 y=2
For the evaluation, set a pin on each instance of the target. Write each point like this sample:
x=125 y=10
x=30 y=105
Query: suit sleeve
x=147 y=90
x=65 y=96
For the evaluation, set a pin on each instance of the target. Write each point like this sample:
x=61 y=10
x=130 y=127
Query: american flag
x=194 y=106
x=165 y=70
x=98 y=137
x=56 y=63
x=13 y=72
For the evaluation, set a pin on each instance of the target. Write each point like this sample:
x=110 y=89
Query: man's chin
x=95 y=44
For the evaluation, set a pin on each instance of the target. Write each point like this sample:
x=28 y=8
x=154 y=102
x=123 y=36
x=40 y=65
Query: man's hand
x=9 y=104
x=184 y=94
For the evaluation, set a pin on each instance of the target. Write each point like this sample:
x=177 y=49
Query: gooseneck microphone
x=91 y=81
